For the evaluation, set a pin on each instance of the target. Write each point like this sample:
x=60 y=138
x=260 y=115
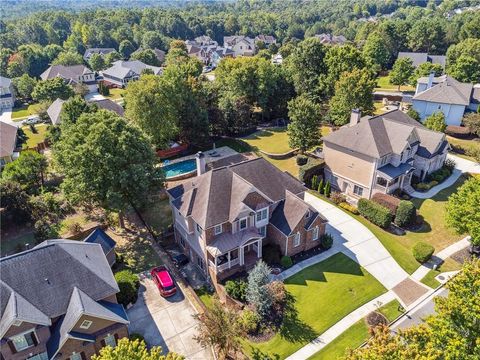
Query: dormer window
x=24 y=341
x=243 y=224
x=86 y=324
x=217 y=229
x=262 y=214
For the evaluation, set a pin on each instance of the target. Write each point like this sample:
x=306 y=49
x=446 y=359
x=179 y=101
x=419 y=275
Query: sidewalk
x=328 y=336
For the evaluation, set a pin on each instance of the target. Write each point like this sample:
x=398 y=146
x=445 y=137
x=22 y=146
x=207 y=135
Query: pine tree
x=320 y=186
x=327 y=189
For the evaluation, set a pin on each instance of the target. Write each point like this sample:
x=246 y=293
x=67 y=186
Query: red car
x=164 y=281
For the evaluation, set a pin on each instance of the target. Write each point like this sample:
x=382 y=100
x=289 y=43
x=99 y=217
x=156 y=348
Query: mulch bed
x=259 y=338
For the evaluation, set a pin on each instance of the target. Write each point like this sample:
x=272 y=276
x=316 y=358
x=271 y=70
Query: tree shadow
x=293 y=329
x=257 y=354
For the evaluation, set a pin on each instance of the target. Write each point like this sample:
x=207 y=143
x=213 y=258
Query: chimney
x=200 y=160
x=430 y=80
x=355 y=117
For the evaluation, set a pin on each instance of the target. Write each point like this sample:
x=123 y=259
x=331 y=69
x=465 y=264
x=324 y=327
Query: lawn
x=464 y=144
x=271 y=141
x=158 y=215
x=205 y=296
x=25 y=110
x=355 y=336
x=383 y=83
x=289 y=165
x=448 y=265
x=33 y=139
x=378 y=107
x=115 y=94
x=324 y=293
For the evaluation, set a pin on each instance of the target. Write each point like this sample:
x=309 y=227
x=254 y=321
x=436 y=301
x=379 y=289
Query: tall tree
x=436 y=122
x=258 y=294
x=14 y=202
x=134 y=350
x=146 y=56
x=52 y=89
x=376 y=51
x=465 y=69
x=424 y=70
x=126 y=48
x=303 y=129
x=153 y=40
x=24 y=86
x=401 y=72
x=68 y=58
x=96 y=62
x=28 y=170
x=354 y=90
x=427 y=35
x=73 y=108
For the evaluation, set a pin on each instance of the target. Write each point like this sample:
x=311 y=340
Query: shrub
x=74 y=228
x=314 y=182
x=43 y=230
x=422 y=251
x=388 y=201
x=320 y=186
x=312 y=167
x=413 y=114
x=136 y=336
x=449 y=164
x=250 y=321
x=128 y=284
x=458 y=131
x=349 y=207
x=278 y=295
x=271 y=254
x=326 y=241
x=406 y=213
x=327 y=189
x=474 y=152
x=236 y=289
x=301 y=160
x=377 y=214
x=286 y=261
x=338 y=197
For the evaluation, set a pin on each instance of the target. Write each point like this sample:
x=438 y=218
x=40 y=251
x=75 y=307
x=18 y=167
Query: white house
x=447 y=95
x=241 y=45
x=7 y=96
x=73 y=74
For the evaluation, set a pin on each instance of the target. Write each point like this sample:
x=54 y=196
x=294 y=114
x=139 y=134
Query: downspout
x=373 y=179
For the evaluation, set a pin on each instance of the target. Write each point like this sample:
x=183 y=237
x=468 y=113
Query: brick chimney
x=355 y=117
x=200 y=160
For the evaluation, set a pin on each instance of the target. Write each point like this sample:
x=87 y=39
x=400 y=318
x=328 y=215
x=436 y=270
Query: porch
x=389 y=178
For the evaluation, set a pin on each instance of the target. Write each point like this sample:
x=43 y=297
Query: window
x=243 y=223
x=85 y=324
x=41 y=356
x=315 y=233
x=110 y=340
x=296 y=240
x=76 y=356
x=217 y=229
x=382 y=181
x=358 y=190
x=24 y=341
x=262 y=214
x=263 y=231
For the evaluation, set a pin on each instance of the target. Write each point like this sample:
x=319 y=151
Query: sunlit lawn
x=324 y=293
x=24 y=111
x=271 y=141
x=115 y=94
x=464 y=144
x=383 y=83
x=448 y=265
x=33 y=139
x=205 y=296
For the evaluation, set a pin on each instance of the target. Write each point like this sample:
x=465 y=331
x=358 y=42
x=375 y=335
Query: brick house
x=58 y=301
x=225 y=216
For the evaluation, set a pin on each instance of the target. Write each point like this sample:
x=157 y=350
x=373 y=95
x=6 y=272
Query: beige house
x=8 y=143
x=381 y=154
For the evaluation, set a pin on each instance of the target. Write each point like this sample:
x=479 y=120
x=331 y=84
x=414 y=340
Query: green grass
x=272 y=141
x=355 y=335
x=16 y=244
x=235 y=144
x=448 y=265
x=33 y=139
x=115 y=94
x=25 y=110
x=378 y=107
x=158 y=215
x=324 y=293
x=465 y=145
x=289 y=164
x=205 y=295
x=383 y=83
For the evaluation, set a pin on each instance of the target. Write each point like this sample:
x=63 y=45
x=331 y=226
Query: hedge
x=376 y=213
x=349 y=207
x=460 y=132
x=128 y=284
x=388 y=201
x=326 y=241
x=312 y=167
x=406 y=213
x=422 y=251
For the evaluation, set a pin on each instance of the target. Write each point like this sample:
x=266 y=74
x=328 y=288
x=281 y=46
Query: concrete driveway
x=168 y=323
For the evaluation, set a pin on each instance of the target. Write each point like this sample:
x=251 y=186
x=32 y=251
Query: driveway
x=168 y=323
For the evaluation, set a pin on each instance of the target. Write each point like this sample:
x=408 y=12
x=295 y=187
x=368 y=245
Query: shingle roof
x=8 y=139
x=5 y=82
x=72 y=72
x=228 y=241
x=108 y=104
x=98 y=236
x=420 y=58
x=121 y=69
x=384 y=134
x=102 y=51
x=54 y=111
x=449 y=91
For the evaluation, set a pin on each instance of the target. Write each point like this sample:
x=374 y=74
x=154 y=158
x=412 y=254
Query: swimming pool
x=180 y=168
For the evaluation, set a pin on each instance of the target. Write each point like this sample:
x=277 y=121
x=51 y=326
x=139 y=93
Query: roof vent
x=47 y=281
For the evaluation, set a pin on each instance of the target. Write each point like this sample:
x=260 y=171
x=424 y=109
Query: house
x=8 y=143
x=205 y=40
x=241 y=45
x=160 y=54
x=225 y=216
x=447 y=95
x=381 y=154
x=265 y=39
x=7 y=95
x=54 y=111
x=100 y=51
x=73 y=74
x=329 y=39
x=98 y=236
x=420 y=58
x=121 y=72
x=110 y=105
x=58 y=301
x=208 y=54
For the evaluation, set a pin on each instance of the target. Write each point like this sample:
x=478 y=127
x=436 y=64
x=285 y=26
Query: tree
x=73 y=108
x=128 y=283
x=24 y=86
x=110 y=58
x=436 y=122
x=427 y=35
x=258 y=294
x=146 y=56
x=401 y=72
x=106 y=162
x=465 y=69
x=68 y=58
x=413 y=114
x=303 y=129
x=52 y=89
x=153 y=40
x=425 y=69
x=353 y=90
x=28 y=170
x=467 y=47
x=376 y=51
x=472 y=121
x=126 y=48
x=96 y=62
x=462 y=210
x=220 y=327
x=134 y=350
x=14 y=202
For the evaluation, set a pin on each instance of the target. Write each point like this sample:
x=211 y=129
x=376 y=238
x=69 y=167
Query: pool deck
x=220 y=153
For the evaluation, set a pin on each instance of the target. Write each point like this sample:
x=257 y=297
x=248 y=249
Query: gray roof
x=101 y=51
x=98 y=236
x=122 y=69
x=54 y=111
x=391 y=172
x=385 y=134
x=8 y=139
x=5 y=82
x=331 y=39
x=108 y=104
x=420 y=58
x=72 y=72
x=46 y=275
x=228 y=241
x=449 y=91
x=219 y=195
x=232 y=40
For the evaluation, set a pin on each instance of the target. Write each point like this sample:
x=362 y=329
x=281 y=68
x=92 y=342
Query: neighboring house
x=329 y=39
x=381 y=154
x=266 y=39
x=7 y=95
x=100 y=51
x=8 y=143
x=74 y=74
x=205 y=40
x=241 y=45
x=160 y=54
x=447 y=95
x=108 y=104
x=54 y=111
x=98 y=236
x=277 y=59
x=58 y=301
x=225 y=216
x=208 y=54
x=420 y=58
x=121 y=72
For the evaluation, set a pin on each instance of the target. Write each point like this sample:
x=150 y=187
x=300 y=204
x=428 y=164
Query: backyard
x=25 y=111
x=115 y=94
x=383 y=83
x=32 y=139
x=324 y=293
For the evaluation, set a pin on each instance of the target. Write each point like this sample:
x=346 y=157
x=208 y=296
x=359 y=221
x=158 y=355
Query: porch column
x=228 y=259
x=215 y=263
x=241 y=250
x=259 y=248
